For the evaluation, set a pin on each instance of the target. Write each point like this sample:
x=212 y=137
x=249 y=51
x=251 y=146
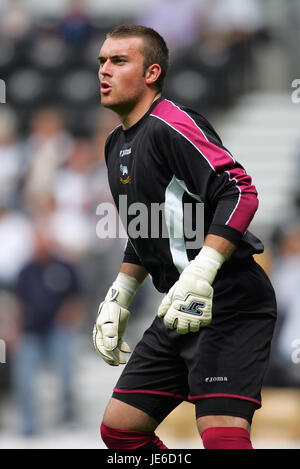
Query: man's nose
x=105 y=69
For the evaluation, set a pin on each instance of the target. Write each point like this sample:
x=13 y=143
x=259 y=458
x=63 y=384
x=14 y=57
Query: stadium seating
x=46 y=68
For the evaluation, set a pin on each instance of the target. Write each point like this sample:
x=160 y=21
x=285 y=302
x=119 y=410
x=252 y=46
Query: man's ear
x=152 y=74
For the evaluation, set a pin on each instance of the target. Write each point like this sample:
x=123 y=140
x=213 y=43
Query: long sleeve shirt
x=173 y=159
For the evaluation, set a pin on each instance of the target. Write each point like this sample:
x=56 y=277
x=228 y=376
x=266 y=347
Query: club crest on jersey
x=193 y=308
x=124 y=178
x=125 y=152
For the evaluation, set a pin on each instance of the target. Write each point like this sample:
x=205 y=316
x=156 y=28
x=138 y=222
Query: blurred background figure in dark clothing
x=50 y=311
x=76 y=26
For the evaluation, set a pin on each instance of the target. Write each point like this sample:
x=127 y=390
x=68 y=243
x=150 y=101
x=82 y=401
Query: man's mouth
x=105 y=87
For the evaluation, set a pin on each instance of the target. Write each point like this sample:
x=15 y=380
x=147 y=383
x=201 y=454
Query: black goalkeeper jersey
x=173 y=158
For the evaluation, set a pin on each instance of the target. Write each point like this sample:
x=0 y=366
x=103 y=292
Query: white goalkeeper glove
x=112 y=320
x=188 y=304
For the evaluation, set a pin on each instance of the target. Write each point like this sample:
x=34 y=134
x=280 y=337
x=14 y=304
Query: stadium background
x=234 y=61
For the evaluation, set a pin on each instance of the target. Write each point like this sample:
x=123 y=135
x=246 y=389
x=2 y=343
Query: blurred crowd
x=54 y=269
x=54 y=59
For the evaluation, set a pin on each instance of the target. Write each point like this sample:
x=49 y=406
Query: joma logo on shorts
x=211 y=379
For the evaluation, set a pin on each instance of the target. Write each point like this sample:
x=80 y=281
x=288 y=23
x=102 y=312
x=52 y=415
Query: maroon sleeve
x=197 y=156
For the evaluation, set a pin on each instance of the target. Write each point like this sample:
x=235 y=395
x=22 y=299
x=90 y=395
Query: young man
x=210 y=341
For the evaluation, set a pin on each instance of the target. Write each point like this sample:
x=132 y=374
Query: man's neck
x=138 y=111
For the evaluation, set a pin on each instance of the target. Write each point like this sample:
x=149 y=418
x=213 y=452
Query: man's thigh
x=155 y=379
x=120 y=415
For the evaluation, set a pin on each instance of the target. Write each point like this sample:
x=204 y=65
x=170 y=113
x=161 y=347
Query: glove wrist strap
x=123 y=290
x=207 y=263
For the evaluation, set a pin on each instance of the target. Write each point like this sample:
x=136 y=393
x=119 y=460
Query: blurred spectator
x=229 y=21
x=179 y=22
x=48 y=147
x=102 y=259
x=51 y=309
x=9 y=310
x=15 y=20
x=73 y=221
x=233 y=26
x=16 y=238
x=76 y=27
x=218 y=66
x=296 y=189
x=71 y=181
x=285 y=277
x=16 y=244
x=12 y=158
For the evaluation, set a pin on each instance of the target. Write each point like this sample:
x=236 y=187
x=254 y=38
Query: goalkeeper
x=209 y=343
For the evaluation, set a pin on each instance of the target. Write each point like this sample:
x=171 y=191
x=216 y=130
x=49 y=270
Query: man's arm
x=196 y=156
x=220 y=244
x=133 y=270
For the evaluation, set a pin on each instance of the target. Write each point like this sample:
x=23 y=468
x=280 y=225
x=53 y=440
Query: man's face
x=122 y=83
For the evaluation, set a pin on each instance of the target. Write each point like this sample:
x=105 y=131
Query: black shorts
x=221 y=367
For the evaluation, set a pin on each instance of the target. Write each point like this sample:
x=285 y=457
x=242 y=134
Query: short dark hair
x=155 y=49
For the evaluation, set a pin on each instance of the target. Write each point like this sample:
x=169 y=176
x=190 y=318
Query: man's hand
x=112 y=320
x=188 y=304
